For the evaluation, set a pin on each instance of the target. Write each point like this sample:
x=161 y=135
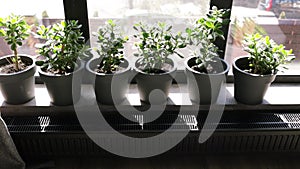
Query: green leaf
x=169 y=28
x=13 y=46
x=45 y=66
x=188 y=31
x=2 y=32
x=209 y=25
x=13 y=59
x=145 y=35
x=167 y=37
x=39 y=63
x=135 y=28
x=183 y=45
x=19 y=43
x=63 y=23
x=111 y=22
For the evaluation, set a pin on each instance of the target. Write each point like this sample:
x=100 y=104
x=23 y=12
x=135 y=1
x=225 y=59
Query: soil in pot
x=17 y=87
x=10 y=68
x=249 y=88
x=204 y=85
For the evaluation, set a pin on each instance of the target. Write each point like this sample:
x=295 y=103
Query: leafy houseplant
x=17 y=70
x=62 y=51
x=110 y=67
x=154 y=65
x=254 y=73
x=204 y=69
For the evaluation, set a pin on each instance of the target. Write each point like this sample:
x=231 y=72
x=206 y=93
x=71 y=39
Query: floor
x=254 y=161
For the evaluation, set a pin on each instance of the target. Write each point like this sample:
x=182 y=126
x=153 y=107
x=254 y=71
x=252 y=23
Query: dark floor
x=231 y=161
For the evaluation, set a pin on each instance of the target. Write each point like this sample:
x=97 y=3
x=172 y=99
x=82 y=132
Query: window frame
x=72 y=8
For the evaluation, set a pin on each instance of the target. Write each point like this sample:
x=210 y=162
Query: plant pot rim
x=174 y=68
x=29 y=67
x=246 y=73
x=41 y=72
x=212 y=74
x=104 y=74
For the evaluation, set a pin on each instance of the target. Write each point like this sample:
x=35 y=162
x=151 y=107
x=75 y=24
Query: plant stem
x=62 y=49
x=16 y=60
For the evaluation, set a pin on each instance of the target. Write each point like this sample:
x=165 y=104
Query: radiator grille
x=63 y=136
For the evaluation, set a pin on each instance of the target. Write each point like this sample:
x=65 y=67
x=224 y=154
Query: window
x=178 y=13
x=36 y=13
x=280 y=19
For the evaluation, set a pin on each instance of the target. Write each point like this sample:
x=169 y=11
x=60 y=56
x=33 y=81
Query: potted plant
x=17 y=70
x=155 y=68
x=61 y=69
x=254 y=73
x=110 y=68
x=205 y=70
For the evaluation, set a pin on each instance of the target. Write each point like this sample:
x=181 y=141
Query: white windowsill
x=278 y=97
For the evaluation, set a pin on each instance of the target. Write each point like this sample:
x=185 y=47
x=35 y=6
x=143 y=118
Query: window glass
x=36 y=13
x=280 y=19
x=179 y=13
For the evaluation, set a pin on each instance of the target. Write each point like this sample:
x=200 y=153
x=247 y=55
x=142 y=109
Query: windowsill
x=279 y=97
x=238 y=131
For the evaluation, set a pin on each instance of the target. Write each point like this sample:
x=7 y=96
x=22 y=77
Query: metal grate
x=256 y=132
x=191 y=122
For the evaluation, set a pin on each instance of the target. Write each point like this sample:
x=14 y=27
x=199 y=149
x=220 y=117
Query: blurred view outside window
x=36 y=12
x=178 y=13
x=280 y=19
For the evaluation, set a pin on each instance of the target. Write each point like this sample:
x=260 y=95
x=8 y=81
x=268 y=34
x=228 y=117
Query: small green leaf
x=2 y=32
x=13 y=59
x=13 y=46
x=19 y=43
x=182 y=45
x=169 y=28
x=167 y=37
x=209 y=25
x=135 y=28
x=63 y=23
x=145 y=35
x=39 y=63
